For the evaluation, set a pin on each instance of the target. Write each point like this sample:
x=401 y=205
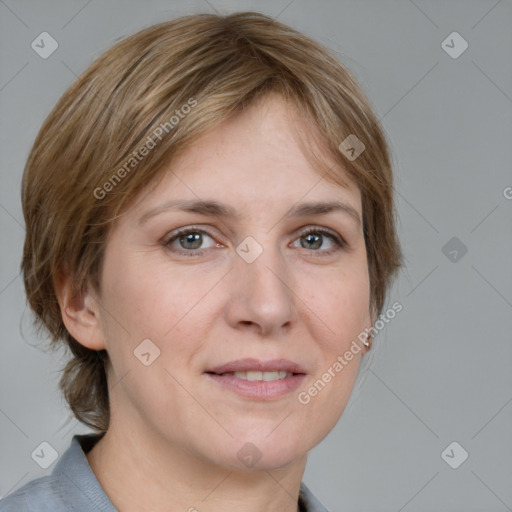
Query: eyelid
x=323 y=230
x=338 y=240
x=175 y=234
x=185 y=230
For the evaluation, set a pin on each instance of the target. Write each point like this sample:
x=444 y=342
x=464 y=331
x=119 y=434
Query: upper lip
x=244 y=365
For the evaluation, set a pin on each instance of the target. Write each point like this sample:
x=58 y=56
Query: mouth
x=255 y=375
x=258 y=380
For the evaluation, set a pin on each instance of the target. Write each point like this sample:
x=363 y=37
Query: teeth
x=262 y=376
x=254 y=376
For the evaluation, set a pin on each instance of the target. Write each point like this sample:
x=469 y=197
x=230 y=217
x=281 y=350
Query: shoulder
x=41 y=495
x=71 y=486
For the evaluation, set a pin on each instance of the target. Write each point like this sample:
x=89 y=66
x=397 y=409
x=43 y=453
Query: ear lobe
x=369 y=327
x=80 y=313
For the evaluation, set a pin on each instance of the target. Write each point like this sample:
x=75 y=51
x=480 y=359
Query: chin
x=265 y=449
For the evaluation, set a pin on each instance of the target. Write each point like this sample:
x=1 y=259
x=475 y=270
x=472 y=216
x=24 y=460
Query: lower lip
x=258 y=389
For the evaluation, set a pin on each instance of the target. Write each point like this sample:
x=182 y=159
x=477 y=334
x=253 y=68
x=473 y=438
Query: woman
x=210 y=230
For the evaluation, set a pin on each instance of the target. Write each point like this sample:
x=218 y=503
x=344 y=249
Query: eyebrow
x=214 y=208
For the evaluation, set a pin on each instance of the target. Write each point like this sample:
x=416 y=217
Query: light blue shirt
x=72 y=485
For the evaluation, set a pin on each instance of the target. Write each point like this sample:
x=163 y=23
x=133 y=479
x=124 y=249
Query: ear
x=80 y=313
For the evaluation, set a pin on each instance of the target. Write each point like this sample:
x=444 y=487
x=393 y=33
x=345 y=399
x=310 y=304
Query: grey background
x=443 y=369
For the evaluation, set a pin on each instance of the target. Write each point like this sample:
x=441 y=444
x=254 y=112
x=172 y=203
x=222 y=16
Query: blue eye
x=313 y=239
x=189 y=241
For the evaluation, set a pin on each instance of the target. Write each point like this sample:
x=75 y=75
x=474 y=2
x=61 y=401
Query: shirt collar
x=74 y=467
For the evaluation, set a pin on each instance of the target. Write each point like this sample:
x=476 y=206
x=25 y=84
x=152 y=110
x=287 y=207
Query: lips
x=257 y=365
x=257 y=379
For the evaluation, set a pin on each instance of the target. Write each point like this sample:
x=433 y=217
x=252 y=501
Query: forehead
x=257 y=157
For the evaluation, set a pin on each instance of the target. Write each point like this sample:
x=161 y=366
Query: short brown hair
x=74 y=184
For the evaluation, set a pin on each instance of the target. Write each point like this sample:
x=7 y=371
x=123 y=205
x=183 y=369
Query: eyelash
x=339 y=242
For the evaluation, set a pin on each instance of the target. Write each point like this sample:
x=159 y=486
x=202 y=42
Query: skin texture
x=174 y=434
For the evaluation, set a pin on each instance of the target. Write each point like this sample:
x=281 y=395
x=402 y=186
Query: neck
x=148 y=473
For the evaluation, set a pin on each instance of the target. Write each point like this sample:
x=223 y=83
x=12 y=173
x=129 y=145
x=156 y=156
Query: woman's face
x=257 y=282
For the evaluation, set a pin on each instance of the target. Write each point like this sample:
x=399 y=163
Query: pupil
x=313 y=238
x=195 y=239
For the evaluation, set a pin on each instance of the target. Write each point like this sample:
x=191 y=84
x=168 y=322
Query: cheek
x=337 y=313
x=145 y=303
x=151 y=299
x=172 y=309
x=341 y=304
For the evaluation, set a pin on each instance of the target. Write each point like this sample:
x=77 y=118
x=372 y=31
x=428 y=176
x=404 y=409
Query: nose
x=262 y=296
